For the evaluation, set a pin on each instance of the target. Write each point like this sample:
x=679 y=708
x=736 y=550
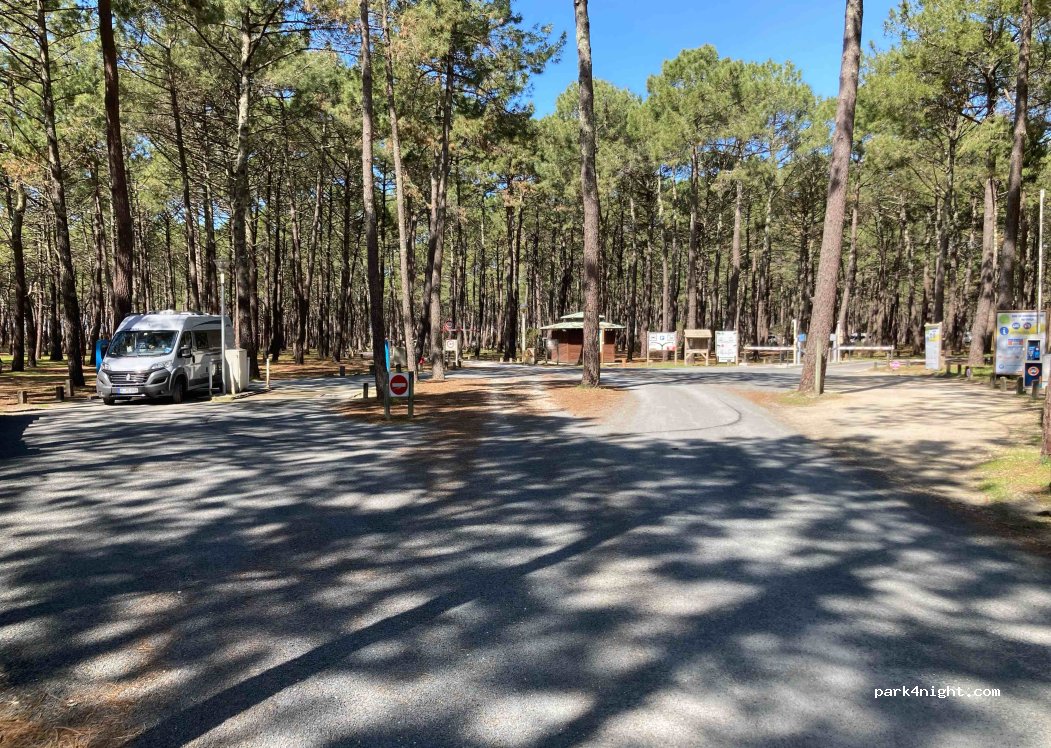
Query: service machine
x=1034 y=361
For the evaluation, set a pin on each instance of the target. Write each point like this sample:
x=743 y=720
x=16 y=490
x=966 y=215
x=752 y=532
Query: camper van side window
x=200 y=340
x=215 y=340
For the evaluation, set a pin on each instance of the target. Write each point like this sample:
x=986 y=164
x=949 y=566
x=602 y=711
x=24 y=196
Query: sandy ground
x=929 y=434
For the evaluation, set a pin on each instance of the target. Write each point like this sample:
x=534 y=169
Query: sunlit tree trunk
x=589 y=190
x=123 y=250
x=57 y=195
x=832 y=236
x=1005 y=297
x=368 y=199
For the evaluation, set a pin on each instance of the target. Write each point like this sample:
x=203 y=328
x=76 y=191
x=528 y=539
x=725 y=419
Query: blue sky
x=628 y=44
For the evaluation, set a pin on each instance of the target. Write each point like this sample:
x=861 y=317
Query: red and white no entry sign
x=399 y=385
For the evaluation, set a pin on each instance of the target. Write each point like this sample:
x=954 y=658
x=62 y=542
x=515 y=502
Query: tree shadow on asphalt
x=539 y=585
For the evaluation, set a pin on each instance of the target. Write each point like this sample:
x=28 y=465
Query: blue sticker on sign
x=1004 y=331
x=1015 y=325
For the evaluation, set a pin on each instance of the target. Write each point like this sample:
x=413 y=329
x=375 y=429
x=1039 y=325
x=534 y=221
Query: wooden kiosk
x=697 y=343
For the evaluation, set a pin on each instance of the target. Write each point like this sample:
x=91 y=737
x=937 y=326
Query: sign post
x=726 y=346
x=661 y=341
x=932 y=335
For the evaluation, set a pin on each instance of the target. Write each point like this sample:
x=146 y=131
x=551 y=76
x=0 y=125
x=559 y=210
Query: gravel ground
x=688 y=571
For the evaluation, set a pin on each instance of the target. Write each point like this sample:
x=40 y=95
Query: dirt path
x=955 y=440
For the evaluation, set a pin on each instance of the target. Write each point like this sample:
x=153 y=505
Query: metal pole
x=222 y=328
x=795 y=343
x=1040 y=260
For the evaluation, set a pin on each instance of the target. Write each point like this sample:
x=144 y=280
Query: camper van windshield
x=142 y=343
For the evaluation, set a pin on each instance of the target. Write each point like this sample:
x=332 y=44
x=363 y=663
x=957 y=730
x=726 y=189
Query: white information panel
x=661 y=341
x=1013 y=329
x=726 y=346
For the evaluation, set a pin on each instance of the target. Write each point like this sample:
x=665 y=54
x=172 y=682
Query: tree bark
x=832 y=235
x=589 y=189
x=189 y=217
x=733 y=286
x=842 y=334
x=436 y=241
x=1005 y=297
x=16 y=208
x=1008 y=252
x=399 y=198
x=245 y=327
x=691 y=254
x=368 y=199
x=57 y=196
x=123 y=251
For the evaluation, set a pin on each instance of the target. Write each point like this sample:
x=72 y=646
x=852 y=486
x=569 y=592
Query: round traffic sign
x=399 y=385
x=1034 y=371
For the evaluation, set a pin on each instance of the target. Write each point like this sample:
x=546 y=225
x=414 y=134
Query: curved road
x=688 y=573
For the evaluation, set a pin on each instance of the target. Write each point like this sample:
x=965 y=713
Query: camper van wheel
x=178 y=391
x=109 y=400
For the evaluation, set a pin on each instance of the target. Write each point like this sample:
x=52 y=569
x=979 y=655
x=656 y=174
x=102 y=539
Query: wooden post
x=386 y=401
x=365 y=391
x=23 y=397
x=412 y=392
x=342 y=370
x=1019 y=386
x=1036 y=388
x=60 y=393
x=69 y=387
x=268 y=372
x=1003 y=384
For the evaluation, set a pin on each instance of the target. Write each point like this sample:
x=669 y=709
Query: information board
x=1013 y=330
x=661 y=341
x=726 y=346
x=932 y=334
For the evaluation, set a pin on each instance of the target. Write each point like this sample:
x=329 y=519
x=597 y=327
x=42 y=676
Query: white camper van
x=162 y=354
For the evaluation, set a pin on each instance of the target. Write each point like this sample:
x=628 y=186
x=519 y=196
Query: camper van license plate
x=126 y=390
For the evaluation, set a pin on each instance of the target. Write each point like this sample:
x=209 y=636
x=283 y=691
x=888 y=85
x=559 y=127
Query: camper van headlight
x=105 y=365
x=161 y=365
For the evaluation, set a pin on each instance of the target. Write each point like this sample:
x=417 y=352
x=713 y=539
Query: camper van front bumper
x=133 y=384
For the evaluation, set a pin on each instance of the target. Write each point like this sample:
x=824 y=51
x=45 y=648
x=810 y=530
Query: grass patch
x=1017 y=474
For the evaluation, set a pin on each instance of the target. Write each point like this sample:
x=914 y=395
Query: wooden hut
x=565 y=339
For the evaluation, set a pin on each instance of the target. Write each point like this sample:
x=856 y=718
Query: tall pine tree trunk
x=399 y=197
x=824 y=308
x=16 y=208
x=123 y=250
x=368 y=199
x=1005 y=297
x=57 y=196
x=589 y=190
x=245 y=327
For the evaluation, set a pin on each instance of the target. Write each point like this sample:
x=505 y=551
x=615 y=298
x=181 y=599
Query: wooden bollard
x=23 y=397
x=69 y=387
x=1036 y=388
x=60 y=393
x=1003 y=384
x=1019 y=386
x=365 y=391
x=342 y=371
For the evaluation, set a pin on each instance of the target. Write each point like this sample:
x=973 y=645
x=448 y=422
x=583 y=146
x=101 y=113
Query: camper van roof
x=166 y=320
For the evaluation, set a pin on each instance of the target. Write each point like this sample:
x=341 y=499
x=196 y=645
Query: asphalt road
x=269 y=573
